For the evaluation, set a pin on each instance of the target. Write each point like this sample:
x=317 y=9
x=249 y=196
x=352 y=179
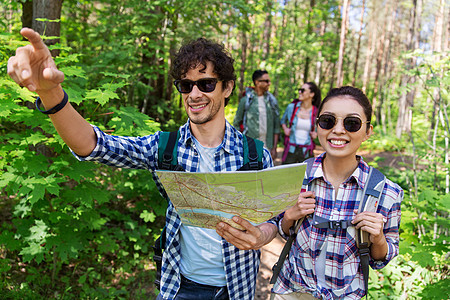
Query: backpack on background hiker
x=287 y=144
x=249 y=98
x=371 y=198
x=168 y=160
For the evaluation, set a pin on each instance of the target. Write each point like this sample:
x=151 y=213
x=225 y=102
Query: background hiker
x=196 y=261
x=298 y=124
x=258 y=112
x=324 y=261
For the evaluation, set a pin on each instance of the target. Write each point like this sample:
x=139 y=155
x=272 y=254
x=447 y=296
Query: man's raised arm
x=33 y=67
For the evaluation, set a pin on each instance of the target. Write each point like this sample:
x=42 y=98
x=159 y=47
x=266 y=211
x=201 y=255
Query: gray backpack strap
x=372 y=192
x=293 y=230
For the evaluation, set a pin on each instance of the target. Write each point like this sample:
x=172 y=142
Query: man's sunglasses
x=264 y=80
x=351 y=124
x=205 y=85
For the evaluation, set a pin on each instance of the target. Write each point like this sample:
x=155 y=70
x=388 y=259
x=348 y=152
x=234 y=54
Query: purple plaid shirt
x=343 y=277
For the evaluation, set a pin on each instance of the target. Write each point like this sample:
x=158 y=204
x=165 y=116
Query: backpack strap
x=372 y=192
x=313 y=117
x=158 y=247
x=167 y=151
x=249 y=96
x=253 y=154
x=276 y=269
x=294 y=112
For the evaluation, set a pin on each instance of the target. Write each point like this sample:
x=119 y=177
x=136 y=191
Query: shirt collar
x=359 y=175
x=227 y=143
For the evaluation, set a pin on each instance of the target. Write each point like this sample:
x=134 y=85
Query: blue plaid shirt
x=343 y=276
x=241 y=267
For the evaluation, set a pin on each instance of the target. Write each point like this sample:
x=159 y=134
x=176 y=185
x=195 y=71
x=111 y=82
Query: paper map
x=204 y=199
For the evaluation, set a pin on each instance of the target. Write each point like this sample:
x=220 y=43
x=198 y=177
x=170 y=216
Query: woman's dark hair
x=199 y=52
x=352 y=92
x=317 y=95
x=258 y=74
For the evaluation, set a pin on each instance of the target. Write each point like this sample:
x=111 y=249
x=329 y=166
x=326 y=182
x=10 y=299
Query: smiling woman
x=326 y=258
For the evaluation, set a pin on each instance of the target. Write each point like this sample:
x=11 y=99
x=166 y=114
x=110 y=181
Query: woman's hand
x=286 y=130
x=306 y=204
x=373 y=223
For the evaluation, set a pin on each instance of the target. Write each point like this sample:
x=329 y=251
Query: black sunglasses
x=301 y=90
x=351 y=124
x=206 y=85
x=265 y=80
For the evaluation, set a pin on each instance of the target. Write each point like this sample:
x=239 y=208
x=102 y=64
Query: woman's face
x=338 y=142
x=305 y=93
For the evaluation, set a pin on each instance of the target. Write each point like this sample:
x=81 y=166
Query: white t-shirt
x=202 y=257
x=302 y=130
x=262 y=119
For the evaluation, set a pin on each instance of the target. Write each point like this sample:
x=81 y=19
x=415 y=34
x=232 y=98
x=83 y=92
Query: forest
x=72 y=230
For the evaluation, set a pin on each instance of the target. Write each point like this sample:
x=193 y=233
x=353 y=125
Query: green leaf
x=444 y=202
x=437 y=291
x=37 y=193
x=33 y=251
x=38 y=232
x=101 y=97
x=147 y=216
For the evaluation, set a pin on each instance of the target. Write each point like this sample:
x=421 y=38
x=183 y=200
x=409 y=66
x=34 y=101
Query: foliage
x=58 y=238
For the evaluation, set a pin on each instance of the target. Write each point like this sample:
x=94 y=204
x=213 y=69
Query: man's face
x=202 y=107
x=263 y=83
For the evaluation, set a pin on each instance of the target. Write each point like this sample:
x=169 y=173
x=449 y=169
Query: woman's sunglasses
x=351 y=124
x=206 y=85
x=301 y=90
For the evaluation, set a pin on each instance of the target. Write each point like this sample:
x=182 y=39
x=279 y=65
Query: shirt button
x=345 y=186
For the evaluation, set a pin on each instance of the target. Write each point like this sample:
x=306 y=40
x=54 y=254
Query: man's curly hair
x=199 y=52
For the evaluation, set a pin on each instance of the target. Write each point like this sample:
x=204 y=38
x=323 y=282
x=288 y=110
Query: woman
x=298 y=124
x=324 y=262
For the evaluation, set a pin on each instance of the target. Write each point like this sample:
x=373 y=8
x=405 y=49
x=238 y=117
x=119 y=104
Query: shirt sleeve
x=239 y=117
x=124 y=152
x=393 y=197
x=276 y=123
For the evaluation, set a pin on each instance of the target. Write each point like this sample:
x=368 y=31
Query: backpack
x=249 y=98
x=371 y=199
x=168 y=160
x=309 y=148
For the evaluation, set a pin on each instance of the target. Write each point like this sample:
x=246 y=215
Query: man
x=196 y=261
x=258 y=112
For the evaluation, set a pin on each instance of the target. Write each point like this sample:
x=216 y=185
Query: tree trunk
x=387 y=69
x=267 y=31
x=340 y=72
x=361 y=22
x=380 y=55
x=437 y=47
x=368 y=63
x=51 y=10
x=317 y=78
x=244 y=45
x=27 y=14
x=312 y=3
x=406 y=100
x=281 y=45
